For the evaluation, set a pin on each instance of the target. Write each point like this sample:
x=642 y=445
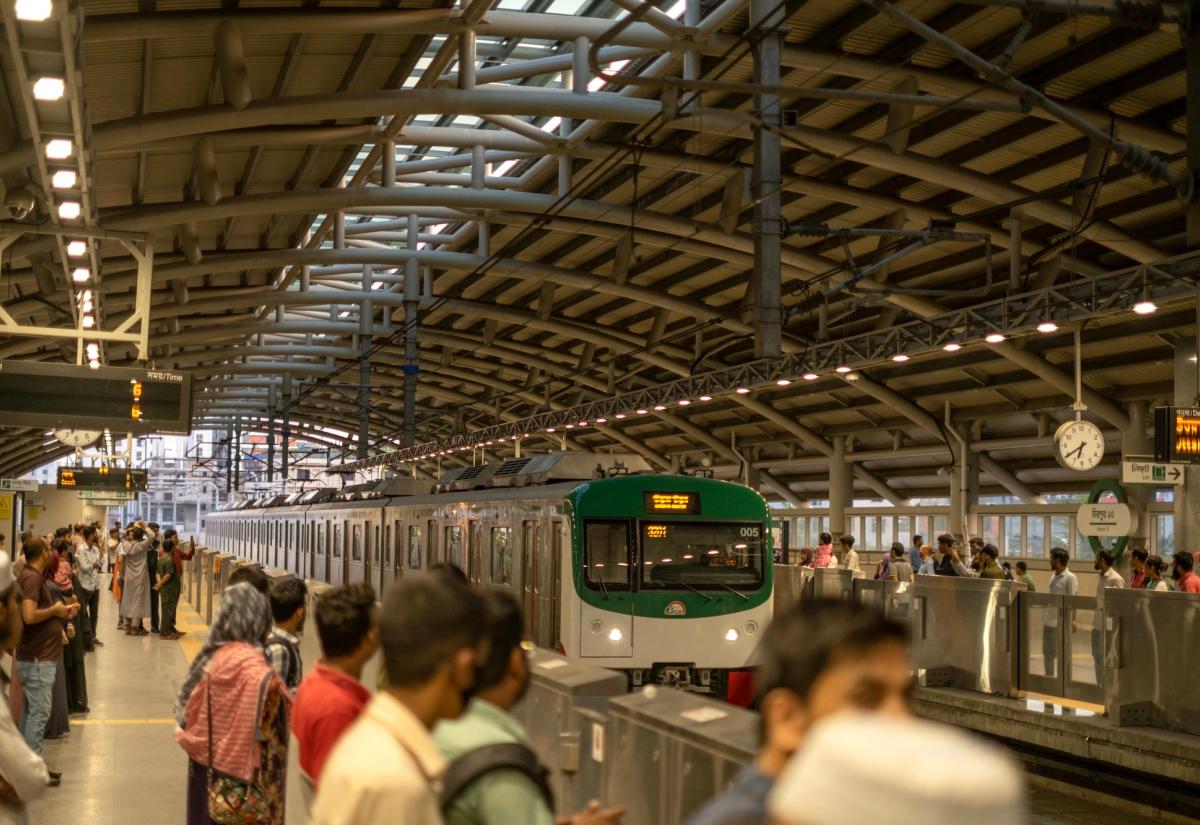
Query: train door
x=383 y=555
x=337 y=553
x=395 y=563
x=413 y=560
x=474 y=564
x=431 y=536
x=553 y=601
x=529 y=582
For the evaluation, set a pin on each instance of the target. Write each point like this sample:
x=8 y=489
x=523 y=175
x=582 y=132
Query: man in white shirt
x=1063 y=583
x=384 y=768
x=1109 y=578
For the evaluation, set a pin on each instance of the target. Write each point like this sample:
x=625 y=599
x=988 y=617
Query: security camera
x=20 y=202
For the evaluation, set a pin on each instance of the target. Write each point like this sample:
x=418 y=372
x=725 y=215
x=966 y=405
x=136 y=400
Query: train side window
x=373 y=546
x=501 y=555
x=452 y=545
x=414 y=547
x=356 y=545
x=397 y=550
x=337 y=540
x=606 y=554
x=431 y=535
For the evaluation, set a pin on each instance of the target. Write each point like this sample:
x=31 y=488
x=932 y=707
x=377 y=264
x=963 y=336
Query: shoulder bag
x=232 y=801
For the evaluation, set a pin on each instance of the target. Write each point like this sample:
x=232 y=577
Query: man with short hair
x=288 y=607
x=818 y=658
x=1062 y=583
x=152 y=535
x=849 y=555
x=331 y=697
x=900 y=570
x=1137 y=568
x=169 y=589
x=252 y=575
x=38 y=651
x=1185 y=579
x=1024 y=578
x=386 y=766
x=988 y=569
x=914 y=552
x=480 y=787
x=949 y=564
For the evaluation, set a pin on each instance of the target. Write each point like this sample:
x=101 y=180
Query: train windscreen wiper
x=698 y=592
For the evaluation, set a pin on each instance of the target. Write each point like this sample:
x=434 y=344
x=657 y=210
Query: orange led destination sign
x=656 y=531
x=686 y=503
x=1177 y=434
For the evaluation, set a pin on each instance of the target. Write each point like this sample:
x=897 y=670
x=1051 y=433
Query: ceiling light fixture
x=1046 y=327
x=49 y=88
x=33 y=10
x=1145 y=306
x=683 y=402
x=69 y=210
x=742 y=390
x=80 y=274
x=59 y=149
x=842 y=370
x=706 y=398
x=900 y=358
x=782 y=382
x=994 y=337
x=952 y=347
x=77 y=249
x=64 y=179
x=811 y=376
x=88 y=322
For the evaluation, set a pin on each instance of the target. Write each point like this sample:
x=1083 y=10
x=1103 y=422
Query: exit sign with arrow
x=1149 y=472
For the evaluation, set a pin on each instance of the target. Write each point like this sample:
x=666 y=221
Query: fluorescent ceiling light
x=994 y=338
x=952 y=347
x=69 y=210
x=1145 y=307
x=59 y=149
x=64 y=179
x=77 y=249
x=88 y=321
x=49 y=88
x=80 y=274
x=1047 y=327
x=33 y=10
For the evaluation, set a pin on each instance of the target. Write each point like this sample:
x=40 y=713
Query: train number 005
x=750 y=532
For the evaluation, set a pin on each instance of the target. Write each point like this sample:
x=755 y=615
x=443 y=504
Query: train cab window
x=452 y=545
x=414 y=548
x=606 y=554
x=501 y=555
x=356 y=547
x=701 y=556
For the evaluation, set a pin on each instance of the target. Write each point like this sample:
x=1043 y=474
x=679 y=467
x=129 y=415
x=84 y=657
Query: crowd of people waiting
x=437 y=743
x=945 y=559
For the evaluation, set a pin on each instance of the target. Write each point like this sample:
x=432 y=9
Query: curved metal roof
x=604 y=245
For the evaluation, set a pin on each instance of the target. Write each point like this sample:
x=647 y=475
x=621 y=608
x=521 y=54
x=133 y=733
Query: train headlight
x=731 y=635
x=596 y=626
x=615 y=635
x=751 y=627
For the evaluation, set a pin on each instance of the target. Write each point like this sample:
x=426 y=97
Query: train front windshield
x=701 y=556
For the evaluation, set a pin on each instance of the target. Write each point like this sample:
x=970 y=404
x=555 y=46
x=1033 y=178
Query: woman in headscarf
x=135 y=593
x=60 y=711
x=232 y=680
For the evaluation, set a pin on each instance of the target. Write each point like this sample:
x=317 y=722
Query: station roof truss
x=567 y=188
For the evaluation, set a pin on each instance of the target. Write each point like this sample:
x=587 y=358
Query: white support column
x=841 y=489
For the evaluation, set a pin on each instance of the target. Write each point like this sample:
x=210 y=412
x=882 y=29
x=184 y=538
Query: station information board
x=101 y=478
x=1177 y=435
x=685 y=503
x=70 y=396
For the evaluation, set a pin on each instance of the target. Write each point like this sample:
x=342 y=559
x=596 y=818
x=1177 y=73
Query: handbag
x=232 y=801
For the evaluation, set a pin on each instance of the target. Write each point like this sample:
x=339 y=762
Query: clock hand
x=1077 y=451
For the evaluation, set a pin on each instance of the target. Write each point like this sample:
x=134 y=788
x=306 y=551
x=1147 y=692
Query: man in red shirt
x=1189 y=582
x=331 y=697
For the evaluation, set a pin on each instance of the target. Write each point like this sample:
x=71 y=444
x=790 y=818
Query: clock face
x=77 y=438
x=1079 y=445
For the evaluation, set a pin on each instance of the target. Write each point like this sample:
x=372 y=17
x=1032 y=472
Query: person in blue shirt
x=914 y=552
x=818 y=658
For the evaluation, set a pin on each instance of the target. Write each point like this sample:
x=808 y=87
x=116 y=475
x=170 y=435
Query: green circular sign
x=1107 y=486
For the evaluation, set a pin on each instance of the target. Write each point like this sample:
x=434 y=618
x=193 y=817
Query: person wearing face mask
x=386 y=767
x=818 y=659
x=494 y=777
x=1186 y=581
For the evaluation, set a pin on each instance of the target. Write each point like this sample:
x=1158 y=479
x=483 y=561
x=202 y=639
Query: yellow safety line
x=101 y=722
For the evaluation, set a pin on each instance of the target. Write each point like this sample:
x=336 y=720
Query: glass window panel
x=870 y=533
x=356 y=543
x=904 y=531
x=1012 y=535
x=1035 y=537
x=452 y=547
x=989 y=529
x=941 y=524
x=1164 y=535
x=414 y=547
x=1060 y=532
x=887 y=530
x=704 y=556
x=501 y=555
x=606 y=555
x=1083 y=550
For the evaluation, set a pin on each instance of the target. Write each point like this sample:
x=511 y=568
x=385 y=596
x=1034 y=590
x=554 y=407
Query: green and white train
x=667 y=577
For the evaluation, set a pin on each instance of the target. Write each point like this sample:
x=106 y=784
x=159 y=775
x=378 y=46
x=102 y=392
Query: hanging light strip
x=1076 y=300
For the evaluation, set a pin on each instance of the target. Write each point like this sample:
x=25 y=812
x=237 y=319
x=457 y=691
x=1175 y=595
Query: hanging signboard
x=1148 y=472
x=107 y=496
x=1177 y=435
x=22 y=485
x=1105 y=519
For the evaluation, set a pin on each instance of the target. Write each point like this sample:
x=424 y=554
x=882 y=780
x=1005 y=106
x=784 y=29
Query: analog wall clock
x=77 y=438
x=1079 y=445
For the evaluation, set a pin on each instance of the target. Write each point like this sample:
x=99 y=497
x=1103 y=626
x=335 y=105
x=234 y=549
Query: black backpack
x=476 y=763
x=292 y=676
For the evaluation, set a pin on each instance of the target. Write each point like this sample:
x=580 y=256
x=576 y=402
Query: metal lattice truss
x=516 y=212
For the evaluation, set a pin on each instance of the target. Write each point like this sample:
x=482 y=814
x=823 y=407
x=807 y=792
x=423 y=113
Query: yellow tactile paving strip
x=188 y=620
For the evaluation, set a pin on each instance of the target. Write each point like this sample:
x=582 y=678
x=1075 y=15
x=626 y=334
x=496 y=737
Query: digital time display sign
x=685 y=503
x=1177 y=434
x=101 y=478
